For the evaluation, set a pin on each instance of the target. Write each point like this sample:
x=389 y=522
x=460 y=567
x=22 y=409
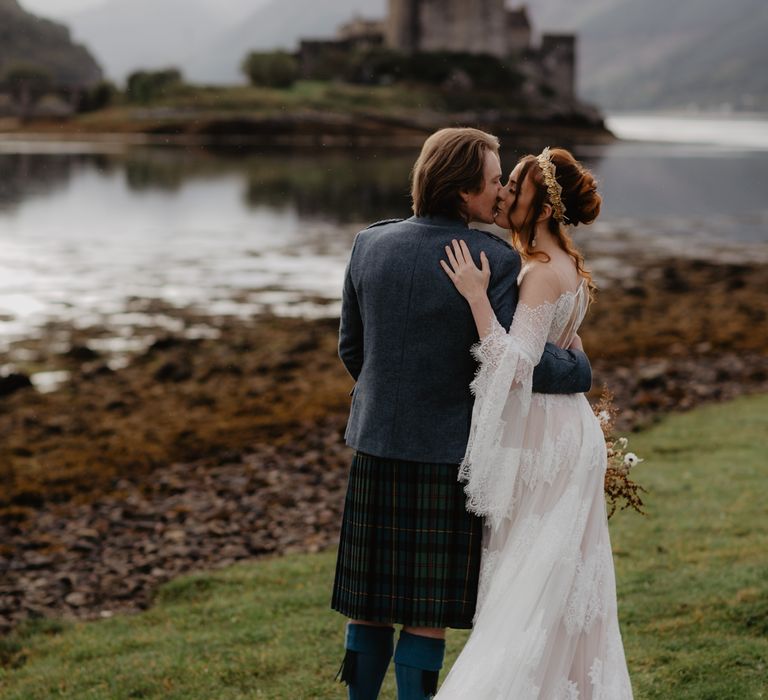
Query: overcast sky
x=56 y=8
x=233 y=9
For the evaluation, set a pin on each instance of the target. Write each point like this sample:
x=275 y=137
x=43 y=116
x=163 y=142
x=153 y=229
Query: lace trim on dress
x=497 y=449
x=567 y=690
x=543 y=463
x=590 y=593
x=608 y=676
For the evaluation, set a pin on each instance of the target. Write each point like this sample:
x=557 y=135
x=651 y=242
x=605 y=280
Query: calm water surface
x=86 y=229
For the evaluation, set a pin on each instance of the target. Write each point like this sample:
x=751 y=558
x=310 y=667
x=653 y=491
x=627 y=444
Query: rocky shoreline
x=202 y=452
x=304 y=128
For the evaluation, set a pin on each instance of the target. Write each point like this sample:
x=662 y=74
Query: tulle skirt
x=546 y=626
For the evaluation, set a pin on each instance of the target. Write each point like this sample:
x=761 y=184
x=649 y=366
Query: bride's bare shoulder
x=559 y=271
x=540 y=282
x=538 y=272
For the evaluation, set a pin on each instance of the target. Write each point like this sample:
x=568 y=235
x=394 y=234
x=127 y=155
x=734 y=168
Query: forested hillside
x=27 y=41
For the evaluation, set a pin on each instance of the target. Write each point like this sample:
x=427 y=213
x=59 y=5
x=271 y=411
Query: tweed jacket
x=406 y=333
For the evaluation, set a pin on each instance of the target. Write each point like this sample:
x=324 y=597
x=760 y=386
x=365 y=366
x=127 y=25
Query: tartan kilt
x=409 y=552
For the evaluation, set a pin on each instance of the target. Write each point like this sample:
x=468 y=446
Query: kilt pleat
x=409 y=552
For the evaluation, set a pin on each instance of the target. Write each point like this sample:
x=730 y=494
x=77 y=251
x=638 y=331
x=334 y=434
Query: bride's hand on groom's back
x=470 y=280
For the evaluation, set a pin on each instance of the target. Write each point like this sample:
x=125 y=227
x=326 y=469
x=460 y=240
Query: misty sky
x=62 y=8
x=54 y=8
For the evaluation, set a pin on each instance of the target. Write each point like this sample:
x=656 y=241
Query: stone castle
x=462 y=26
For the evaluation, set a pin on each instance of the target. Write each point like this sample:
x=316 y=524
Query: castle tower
x=467 y=26
x=402 y=25
x=558 y=57
x=518 y=30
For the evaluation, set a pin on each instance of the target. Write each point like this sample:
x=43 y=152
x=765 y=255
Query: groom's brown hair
x=451 y=161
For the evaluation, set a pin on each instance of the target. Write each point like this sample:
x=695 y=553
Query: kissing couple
x=475 y=496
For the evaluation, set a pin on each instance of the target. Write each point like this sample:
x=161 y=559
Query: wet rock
x=308 y=345
x=11 y=383
x=174 y=371
x=30 y=499
x=96 y=369
x=653 y=375
x=81 y=353
x=89 y=534
x=34 y=562
x=164 y=344
x=175 y=535
x=673 y=281
x=76 y=599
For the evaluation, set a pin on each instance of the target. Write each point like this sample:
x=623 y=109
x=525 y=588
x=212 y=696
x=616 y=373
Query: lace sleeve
x=502 y=389
x=526 y=338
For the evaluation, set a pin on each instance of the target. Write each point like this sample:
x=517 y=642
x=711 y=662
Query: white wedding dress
x=546 y=624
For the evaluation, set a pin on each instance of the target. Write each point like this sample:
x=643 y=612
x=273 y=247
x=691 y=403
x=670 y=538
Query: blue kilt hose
x=409 y=552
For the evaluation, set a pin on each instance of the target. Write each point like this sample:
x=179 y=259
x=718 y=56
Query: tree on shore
x=277 y=69
x=145 y=86
x=98 y=97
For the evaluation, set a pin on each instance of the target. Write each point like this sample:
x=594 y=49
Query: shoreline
x=204 y=451
x=299 y=129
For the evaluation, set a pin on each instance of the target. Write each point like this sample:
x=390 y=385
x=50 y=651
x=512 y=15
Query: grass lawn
x=390 y=100
x=692 y=583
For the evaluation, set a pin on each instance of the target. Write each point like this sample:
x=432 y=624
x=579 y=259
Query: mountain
x=29 y=40
x=277 y=25
x=206 y=39
x=126 y=36
x=657 y=54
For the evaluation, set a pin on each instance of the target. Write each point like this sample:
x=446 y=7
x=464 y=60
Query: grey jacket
x=405 y=337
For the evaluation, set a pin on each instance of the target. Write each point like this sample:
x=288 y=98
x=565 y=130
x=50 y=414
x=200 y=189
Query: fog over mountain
x=126 y=35
x=278 y=24
x=207 y=39
x=632 y=53
x=655 y=53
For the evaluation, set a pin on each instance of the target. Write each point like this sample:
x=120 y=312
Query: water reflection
x=340 y=187
x=82 y=234
x=649 y=184
x=24 y=175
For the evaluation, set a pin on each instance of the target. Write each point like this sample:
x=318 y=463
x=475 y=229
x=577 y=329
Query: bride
x=546 y=624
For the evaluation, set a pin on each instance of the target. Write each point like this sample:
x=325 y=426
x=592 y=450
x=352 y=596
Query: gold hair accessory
x=554 y=188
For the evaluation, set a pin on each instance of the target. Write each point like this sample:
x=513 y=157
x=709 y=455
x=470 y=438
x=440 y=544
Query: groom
x=409 y=552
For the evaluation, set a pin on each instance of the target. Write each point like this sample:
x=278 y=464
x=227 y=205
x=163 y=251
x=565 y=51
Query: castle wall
x=362 y=30
x=470 y=26
x=402 y=25
x=482 y=27
x=519 y=33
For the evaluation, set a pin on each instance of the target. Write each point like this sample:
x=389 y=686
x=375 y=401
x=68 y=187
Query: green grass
x=692 y=583
x=399 y=100
x=392 y=100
